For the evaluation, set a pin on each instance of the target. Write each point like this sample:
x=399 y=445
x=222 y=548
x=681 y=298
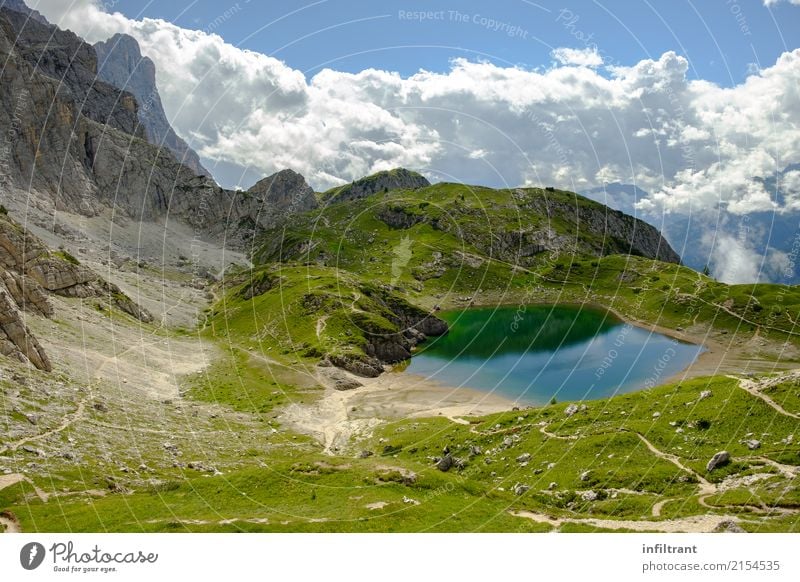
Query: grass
x=293 y=487
x=330 y=280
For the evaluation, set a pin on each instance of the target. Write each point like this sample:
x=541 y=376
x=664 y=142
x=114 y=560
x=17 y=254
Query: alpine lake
x=537 y=353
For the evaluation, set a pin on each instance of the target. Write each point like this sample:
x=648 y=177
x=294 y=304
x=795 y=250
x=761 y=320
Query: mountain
x=20 y=6
x=121 y=64
x=737 y=248
x=361 y=265
x=79 y=145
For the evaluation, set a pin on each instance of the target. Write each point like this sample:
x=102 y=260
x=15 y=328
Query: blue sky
x=720 y=39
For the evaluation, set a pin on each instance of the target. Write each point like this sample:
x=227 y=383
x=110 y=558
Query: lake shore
x=339 y=416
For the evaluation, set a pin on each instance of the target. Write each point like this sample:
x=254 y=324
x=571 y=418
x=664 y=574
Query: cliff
x=121 y=64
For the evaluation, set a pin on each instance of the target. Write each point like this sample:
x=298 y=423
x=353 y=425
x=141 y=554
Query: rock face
x=390 y=333
x=77 y=141
x=396 y=179
x=16 y=340
x=584 y=226
x=287 y=191
x=28 y=271
x=120 y=63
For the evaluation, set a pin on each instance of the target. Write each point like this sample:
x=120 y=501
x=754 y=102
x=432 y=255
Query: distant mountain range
x=736 y=248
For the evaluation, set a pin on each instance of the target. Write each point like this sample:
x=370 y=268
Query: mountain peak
x=384 y=181
x=121 y=64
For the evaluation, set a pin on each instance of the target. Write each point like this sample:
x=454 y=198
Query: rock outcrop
x=397 y=179
x=16 y=340
x=20 y=6
x=618 y=232
x=285 y=191
x=120 y=63
x=390 y=336
x=28 y=272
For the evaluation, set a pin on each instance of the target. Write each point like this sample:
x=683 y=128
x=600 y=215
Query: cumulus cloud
x=588 y=57
x=774 y=2
x=695 y=146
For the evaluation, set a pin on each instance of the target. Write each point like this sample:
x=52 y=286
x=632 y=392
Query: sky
x=695 y=103
x=720 y=39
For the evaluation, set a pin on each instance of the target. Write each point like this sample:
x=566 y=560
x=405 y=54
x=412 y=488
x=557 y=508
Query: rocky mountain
x=20 y=6
x=762 y=241
x=121 y=64
x=29 y=273
x=77 y=144
x=519 y=226
x=397 y=179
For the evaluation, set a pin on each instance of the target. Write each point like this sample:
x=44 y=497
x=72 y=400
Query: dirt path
x=693 y=524
x=706 y=488
x=656 y=511
x=8 y=521
x=754 y=387
x=552 y=435
x=66 y=423
x=14 y=478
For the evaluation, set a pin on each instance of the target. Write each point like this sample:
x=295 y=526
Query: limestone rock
x=719 y=459
x=753 y=444
x=16 y=340
x=120 y=63
x=396 y=179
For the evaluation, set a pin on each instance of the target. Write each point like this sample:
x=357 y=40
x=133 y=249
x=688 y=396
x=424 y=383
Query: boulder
x=719 y=459
x=753 y=444
x=728 y=526
x=445 y=463
x=571 y=409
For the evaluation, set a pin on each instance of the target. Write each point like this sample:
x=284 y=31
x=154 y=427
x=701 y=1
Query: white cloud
x=588 y=57
x=774 y=2
x=694 y=145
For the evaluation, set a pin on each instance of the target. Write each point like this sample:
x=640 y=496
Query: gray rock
x=93 y=153
x=585 y=475
x=445 y=463
x=728 y=526
x=719 y=459
x=705 y=394
x=524 y=458
x=120 y=63
x=342 y=381
x=571 y=409
x=753 y=444
x=589 y=495
x=520 y=488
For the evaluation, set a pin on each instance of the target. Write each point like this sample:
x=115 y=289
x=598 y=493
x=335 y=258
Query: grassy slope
x=291 y=486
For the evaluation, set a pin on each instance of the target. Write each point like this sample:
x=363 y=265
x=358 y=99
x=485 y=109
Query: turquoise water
x=531 y=354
